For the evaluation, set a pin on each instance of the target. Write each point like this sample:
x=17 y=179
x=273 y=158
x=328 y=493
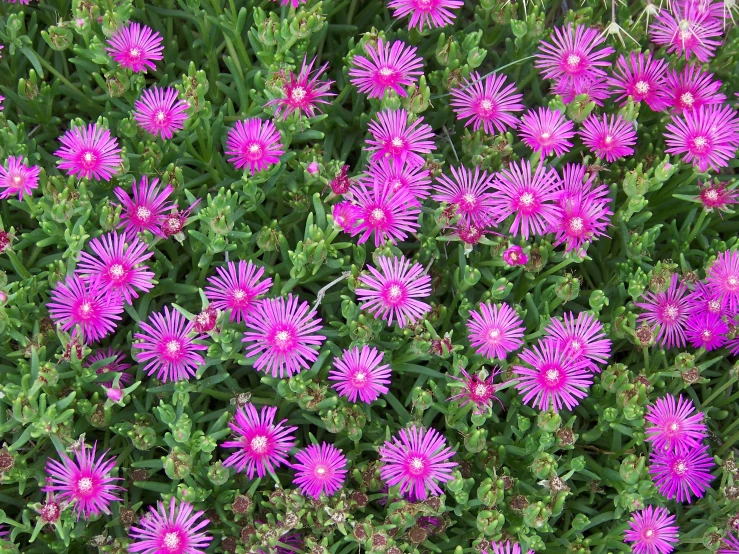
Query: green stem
x=697 y=226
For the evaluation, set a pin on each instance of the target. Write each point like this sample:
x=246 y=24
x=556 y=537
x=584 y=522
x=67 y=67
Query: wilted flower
x=717 y=196
x=115 y=366
x=515 y=256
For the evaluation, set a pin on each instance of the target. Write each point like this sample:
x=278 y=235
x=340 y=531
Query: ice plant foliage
x=488 y=102
x=170 y=529
x=159 y=112
x=360 y=373
x=320 y=469
x=652 y=530
x=136 y=47
x=89 y=151
x=83 y=482
x=262 y=445
x=389 y=66
x=417 y=460
x=17 y=178
x=254 y=144
x=495 y=330
x=236 y=288
x=282 y=333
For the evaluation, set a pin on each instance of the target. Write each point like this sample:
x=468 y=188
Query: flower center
x=282 y=340
x=417 y=466
x=486 y=107
x=649 y=533
x=424 y=4
x=386 y=75
x=706 y=335
x=732 y=283
x=85 y=310
x=84 y=485
x=545 y=136
x=468 y=202
x=573 y=62
x=680 y=467
x=480 y=391
x=161 y=116
x=608 y=139
x=321 y=471
x=143 y=214
x=89 y=160
x=171 y=541
x=700 y=144
x=712 y=194
x=360 y=379
x=259 y=444
x=396 y=184
x=714 y=306
x=239 y=296
x=17 y=179
x=298 y=94
x=494 y=335
x=394 y=294
x=687 y=99
x=671 y=312
x=172 y=348
x=254 y=151
x=552 y=376
x=397 y=143
x=116 y=271
x=135 y=52
x=527 y=199
x=377 y=216
x=642 y=87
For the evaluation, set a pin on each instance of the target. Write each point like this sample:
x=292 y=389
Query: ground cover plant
x=363 y=276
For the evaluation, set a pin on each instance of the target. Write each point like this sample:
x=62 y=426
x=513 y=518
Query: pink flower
x=115 y=366
x=89 y=152
x=555 y=380
x=416 y=459
x=303 y=92
x=669 y=310
x=707 y=136
x=389 y=67
x=293 y=3
x=394 y=138
x=581 y=337
x=584 y=218
x=136 y=47
x=642 y=78
x=432 y=13
x=530 y=198
x=674 y=425
x=487 y=102
x=470 y=193
x=387 y=214
x=146 y=210
x=118 y=265
x=723 y=278
x=236 y=288
x=653 y=531
x=167 y=347
x=173 y=530
x=394 y=291
x=730 y=545
x=514 y=256
x=416 y=181
x=706 y=330
x=84 y=482
x=546 y=131
x=595 y=90
x=577 y=183
x=345 y=215
x=692 y=88
x=262 y=445
x=206 y=320
x=703 y=299
x=320 y=469
x=283 y=333
x=360 y=373
x=159 y=112
x=477 y=389
x=574 y=55
x=85 y=303
x=507 y=547
x=254 y=144
x=717 y=197
x=609 y=139
x=495 y=331
x=686 y=29
x=18 y=178
x=681 y=474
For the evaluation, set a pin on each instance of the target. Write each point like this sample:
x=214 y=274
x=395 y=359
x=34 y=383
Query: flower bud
x=313 y=168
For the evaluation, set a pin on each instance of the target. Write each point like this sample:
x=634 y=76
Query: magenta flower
x=574 y=56
x=706 y=330
x=387 y=214
x=653 y=531
x=85 y=303
x=487 y=102
x=581 y=337
x=146 y=210
x=283 y=333
x=345 y=215
x=159 y=112
x=506 y=547
x=393 y=137
x=595 y=90
x=692 y=88
x=416 y=181
x=730 y=545
x=360 y=373
x=470 y=193
x=707 y=136
x=584 y=218
x=686 y=29
x=118 y=265
x=704 y=299
x=577 y=183
x=530 y=198
x=432 y=13
x=293 y=3
x=389 y=67
x=89 y=152
x=84 y=482
x=674 y=425
x=236 y=288
x=723 y=278
x=416 y=459
x=136 y=47
x=254 y=144
x=717 y=197
x=262 y=445
x=555 y=380
x=669 y=310
x=18 y=178
x=609 y=139
x=320 y=469
x=394 y=291
x=545 y=131
x=173 y=530
x=167 y=347
x=303 y=92
x=642 y=78
x=495 y=331
x=116 y=366
x=515 y=256
x=681 y=474
x=477 y=389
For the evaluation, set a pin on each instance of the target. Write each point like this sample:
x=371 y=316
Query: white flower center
x=714 y=306
x=527 y=199
x=282 y=338
x=254 y=148
x=397 y=142
x=576 y=225
x=648 y=533
x=680 y=467
x=671 y=312
x=687 y=99
x=486 y=105
x=417 y=465
x=609 y=139
x=85 y=309
x=360 y=376
x=171 y=541
x=552 y=376
x=135 y=52
x=161 y=116
x=173 y=347
x=395 y=292
x=732 y=282
x=642 y=87
x=259 y=444
x=116 y=271
x=298 y=94
x=712 y=194
x=494 y=335
x=573 y=60
x=17 y=179
x=239 y=295
x=143 y=213
x=321 y=470
x=481 y=390
x=545 y=135
x=84 y=484
x=377 y=216
x=700 y=142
